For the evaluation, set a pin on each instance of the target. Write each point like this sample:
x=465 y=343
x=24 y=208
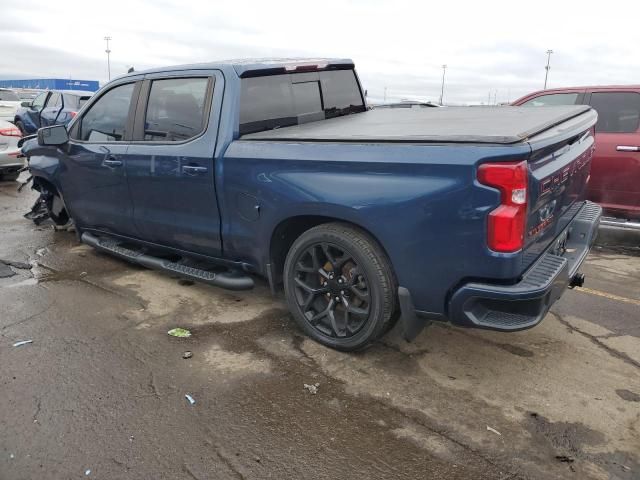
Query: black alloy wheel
x=339 y=286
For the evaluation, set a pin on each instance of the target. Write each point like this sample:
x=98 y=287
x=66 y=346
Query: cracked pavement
x=102 y=386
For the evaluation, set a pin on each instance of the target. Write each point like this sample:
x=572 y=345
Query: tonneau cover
x=495 y=125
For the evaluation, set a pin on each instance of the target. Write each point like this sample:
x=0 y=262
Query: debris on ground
x=179 y=332
x=22 y=342
x=493 y=430
x=87 y=472
x=5 y=271
x=565 y=458
x=313 y=389
x=187 y=354
x=14 y=264
x=190 y=399
x=41 y=252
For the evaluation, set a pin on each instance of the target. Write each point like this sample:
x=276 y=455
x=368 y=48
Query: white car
x=9 y=103
x=10 y=162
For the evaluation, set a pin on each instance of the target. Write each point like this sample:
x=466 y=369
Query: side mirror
x=53 y=136
x=26 y=104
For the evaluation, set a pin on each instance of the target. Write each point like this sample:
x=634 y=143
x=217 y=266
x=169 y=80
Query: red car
x=615 y=171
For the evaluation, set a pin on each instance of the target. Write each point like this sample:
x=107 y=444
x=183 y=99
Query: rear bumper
x=524 y=304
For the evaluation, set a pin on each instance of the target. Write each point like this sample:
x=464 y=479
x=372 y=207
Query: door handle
x=111 y=162
x=627 y=148
x=193 y=170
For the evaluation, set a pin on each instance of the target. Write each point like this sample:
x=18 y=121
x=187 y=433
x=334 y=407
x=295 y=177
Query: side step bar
x=228 y=280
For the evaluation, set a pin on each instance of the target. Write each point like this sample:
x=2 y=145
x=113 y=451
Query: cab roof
x=261 y=66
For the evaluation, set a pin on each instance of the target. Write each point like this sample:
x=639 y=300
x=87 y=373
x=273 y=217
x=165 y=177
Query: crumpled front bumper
x=524 y=304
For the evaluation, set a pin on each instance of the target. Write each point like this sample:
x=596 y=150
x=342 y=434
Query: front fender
x=42 y=161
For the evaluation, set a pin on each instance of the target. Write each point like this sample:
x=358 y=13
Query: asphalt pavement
x=101 y=390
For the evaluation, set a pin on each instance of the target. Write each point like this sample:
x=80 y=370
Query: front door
x=615 y=170
x=93 y=177
x=32 y=114
x=170 y=163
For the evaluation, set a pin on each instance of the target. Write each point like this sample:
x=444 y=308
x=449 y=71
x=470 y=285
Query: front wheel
x=340 y=286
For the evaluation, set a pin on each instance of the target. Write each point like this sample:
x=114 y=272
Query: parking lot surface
x=100 y=392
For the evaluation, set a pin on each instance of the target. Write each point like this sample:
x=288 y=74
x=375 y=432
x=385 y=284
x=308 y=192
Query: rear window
x=8 y=96
x=618 y=112
x=552 y=99
x=283 y=100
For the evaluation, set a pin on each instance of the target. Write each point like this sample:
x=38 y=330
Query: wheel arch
x=289 y=229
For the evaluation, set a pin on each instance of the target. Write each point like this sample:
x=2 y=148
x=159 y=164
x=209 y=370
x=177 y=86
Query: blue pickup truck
x=225 y=171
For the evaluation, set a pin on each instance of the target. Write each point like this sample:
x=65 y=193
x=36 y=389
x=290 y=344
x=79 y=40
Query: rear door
x=93 y=177
x=170 y=164
x=615 y=174
x=51 y=110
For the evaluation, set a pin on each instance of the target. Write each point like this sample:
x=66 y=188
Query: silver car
x=10 y=162
x=9 y=104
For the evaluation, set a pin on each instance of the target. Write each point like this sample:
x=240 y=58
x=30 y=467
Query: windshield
x=8 y=96
x=276 y=101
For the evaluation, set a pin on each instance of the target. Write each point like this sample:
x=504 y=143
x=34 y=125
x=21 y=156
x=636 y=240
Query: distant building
x=52 y=84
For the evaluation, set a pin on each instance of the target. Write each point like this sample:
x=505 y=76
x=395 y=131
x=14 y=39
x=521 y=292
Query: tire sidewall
x=376 y=321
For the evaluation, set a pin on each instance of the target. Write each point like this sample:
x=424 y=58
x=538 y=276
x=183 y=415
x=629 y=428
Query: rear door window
x=106 y=120
x=55 y=100
x=552 y=99
x=618 y=112
x=176 y=109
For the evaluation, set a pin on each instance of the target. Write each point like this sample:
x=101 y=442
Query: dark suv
x=52 y=107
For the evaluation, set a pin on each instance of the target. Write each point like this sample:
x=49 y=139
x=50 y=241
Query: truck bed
x=491 y=125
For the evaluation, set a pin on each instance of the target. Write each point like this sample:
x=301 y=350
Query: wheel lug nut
x=341 y=292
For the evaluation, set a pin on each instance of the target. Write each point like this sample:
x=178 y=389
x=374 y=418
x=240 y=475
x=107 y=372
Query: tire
x=340 y=286
x=20 y=126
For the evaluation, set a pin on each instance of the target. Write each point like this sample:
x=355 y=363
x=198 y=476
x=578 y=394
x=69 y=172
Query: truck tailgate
x=558 y=174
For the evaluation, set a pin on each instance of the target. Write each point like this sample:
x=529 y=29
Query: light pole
x=547 y=68
x=108 y=51
x=444 y=69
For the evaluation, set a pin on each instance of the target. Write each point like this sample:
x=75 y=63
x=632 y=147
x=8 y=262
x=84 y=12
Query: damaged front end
x=49 y=205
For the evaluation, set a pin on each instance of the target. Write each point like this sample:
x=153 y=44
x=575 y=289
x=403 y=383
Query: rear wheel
x=340 y=286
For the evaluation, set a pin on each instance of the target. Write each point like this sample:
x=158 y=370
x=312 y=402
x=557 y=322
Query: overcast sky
x=488 y=45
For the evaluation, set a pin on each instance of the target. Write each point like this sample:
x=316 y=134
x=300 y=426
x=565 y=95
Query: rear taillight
x=506 y=225
x=10 y=132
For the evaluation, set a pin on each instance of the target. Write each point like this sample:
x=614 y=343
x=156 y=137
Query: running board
x=228 y=280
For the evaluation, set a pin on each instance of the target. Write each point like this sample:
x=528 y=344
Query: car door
x=170 y=163
x=93 y=175
x=51 y=110
x=615 y=170
x=32 y=114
